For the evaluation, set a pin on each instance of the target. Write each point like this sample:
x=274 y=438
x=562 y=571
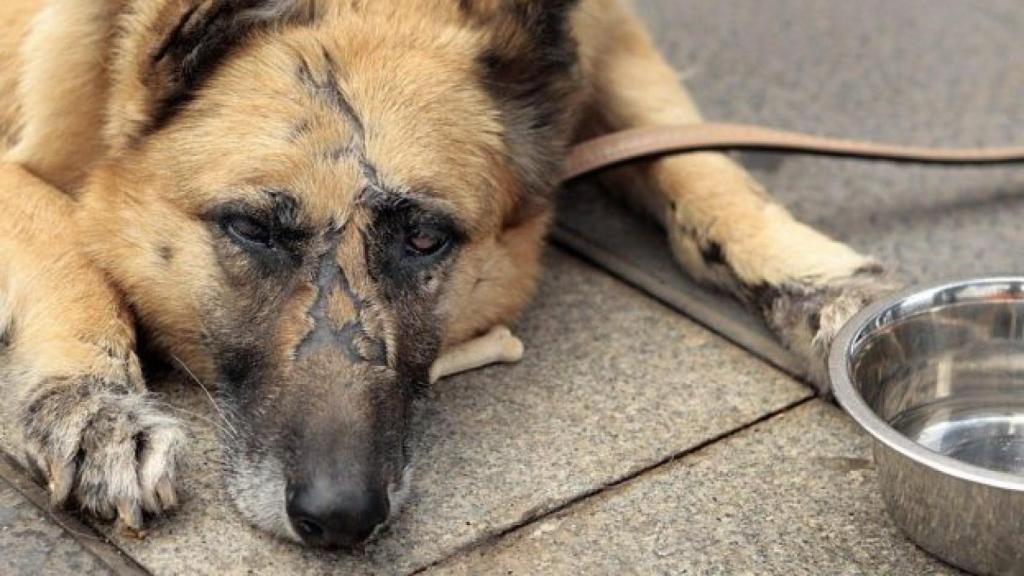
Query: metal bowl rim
x=850 y=399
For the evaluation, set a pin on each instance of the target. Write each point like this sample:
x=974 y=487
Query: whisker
x=207 y=391
x=214 y=423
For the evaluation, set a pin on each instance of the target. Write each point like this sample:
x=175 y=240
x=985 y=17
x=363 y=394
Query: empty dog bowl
x=936 y=376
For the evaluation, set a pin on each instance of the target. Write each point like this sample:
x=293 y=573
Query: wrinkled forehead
x=334 y=113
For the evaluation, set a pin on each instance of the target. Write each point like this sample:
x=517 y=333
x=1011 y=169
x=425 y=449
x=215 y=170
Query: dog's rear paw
x=103 y=445
x=807 y=318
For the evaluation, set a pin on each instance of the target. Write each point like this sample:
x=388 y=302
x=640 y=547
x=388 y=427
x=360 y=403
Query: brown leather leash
x=640 y=143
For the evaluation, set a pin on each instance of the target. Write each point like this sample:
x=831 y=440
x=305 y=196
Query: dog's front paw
x=104 y=445
x=807 y=318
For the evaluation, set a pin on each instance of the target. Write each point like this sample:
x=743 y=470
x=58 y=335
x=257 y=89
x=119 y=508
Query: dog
x=309 y=203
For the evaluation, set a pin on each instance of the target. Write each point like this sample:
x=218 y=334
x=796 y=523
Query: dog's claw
x=165 y=492
x=62 y=480
x=155 y=469
x=105 y=512
x=130 y=514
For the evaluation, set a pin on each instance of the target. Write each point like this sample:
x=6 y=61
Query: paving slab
x=612 y=383
x=37 y=539
x=929 y=72
x=797 y=494
x=32 y=543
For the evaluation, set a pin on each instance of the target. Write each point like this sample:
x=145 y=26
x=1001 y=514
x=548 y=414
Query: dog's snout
x=327 y=515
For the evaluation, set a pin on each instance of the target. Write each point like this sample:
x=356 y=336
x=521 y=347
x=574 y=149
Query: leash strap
x=640 y=143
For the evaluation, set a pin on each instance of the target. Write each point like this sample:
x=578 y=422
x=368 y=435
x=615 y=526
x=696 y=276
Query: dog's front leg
x=74 y=401
x=722 y=226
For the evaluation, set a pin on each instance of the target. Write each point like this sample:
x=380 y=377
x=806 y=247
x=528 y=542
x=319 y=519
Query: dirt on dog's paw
x=807 y=318
x=103 y=445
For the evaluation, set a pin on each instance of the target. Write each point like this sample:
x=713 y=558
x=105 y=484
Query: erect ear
x=169 y=51
x=530 y=68
x=527 y=37
x=204 y=34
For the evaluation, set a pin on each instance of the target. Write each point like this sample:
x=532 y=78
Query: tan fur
x=62 y=77
x=17 y=20
x=90 y=89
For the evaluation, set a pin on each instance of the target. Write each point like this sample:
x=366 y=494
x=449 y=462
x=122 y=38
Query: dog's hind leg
x=75 y=406
x=722 y=226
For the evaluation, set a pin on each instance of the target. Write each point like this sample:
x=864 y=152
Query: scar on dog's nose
x=326 y=516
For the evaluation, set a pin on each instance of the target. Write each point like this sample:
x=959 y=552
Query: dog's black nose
x=331 y=517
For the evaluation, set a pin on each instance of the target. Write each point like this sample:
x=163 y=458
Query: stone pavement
x=631 y=439
x=794 y=494
x=33 y=544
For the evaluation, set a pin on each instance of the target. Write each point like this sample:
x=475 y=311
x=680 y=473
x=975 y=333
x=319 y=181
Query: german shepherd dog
x=309 y=202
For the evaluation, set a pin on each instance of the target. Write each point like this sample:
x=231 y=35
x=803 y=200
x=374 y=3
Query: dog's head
x=303 y=201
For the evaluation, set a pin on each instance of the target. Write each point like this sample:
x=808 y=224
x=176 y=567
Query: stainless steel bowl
x=936 y=376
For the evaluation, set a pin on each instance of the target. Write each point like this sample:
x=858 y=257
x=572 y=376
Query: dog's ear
x=204 y=34
x=530 y=66
x=168 y=51
x=530 y=46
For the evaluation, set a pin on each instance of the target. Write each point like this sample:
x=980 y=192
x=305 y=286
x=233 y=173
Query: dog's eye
x=425 y=241
x=246 y=230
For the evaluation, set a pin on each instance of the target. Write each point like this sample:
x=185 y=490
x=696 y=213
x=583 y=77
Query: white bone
x=498 y=345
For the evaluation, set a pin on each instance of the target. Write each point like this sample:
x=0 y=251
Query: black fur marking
x=804 y=301
x=353 y=338
x=712 y=254
x=34 y=469
x=370 y=174
x=407 y=283
x=235 y=365
x=166 y=253
x=329 y=91
x=352 y=334
x=341 y=152
x=328 y=277
x=50 y=394
x=762 y=297
x=870 y=269
x=814 y=322
x=7 y=334
x=191 y=51
x=299 y=130
x=287 y=214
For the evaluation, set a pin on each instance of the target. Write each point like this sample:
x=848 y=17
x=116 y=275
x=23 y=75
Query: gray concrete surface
x=38 y=539
x=31 y=543
x=793 y=495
